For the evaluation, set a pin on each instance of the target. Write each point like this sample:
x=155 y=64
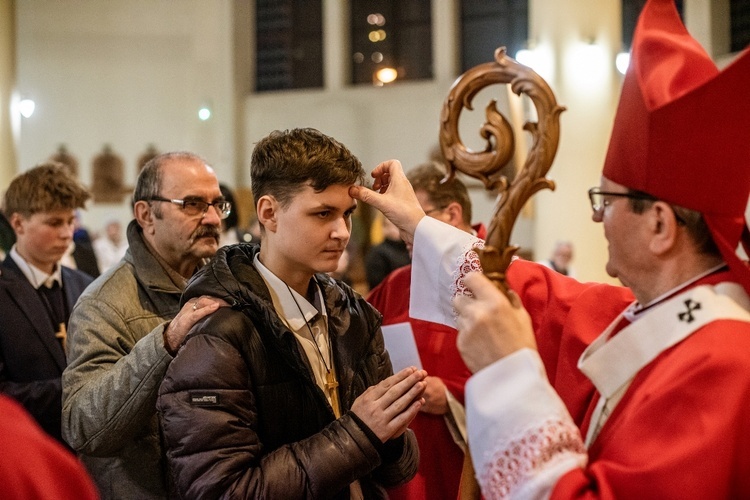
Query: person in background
x=440 y=425
x=562 y=256
x=253 y=229
x=7 y=236
x=110 y=247
x=578 y=390
x=231 y=232
x=289 y=393
x=229 y=235
x=83 y=254
x=34 y=466
x=37 y=293
x=386 y=256
x=80 y=254
x=128 y=325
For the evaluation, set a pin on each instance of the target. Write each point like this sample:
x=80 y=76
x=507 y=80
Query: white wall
x=588 y=85
x=125 y=73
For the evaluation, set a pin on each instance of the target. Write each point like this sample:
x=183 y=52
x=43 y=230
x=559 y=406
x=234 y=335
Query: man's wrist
x=167 y=347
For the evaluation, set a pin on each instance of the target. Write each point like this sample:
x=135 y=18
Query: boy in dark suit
x=36 y=292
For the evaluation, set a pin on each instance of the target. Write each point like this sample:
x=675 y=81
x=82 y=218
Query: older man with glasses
x=128 y=325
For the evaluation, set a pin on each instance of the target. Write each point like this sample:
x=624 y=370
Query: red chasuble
x=567 y=316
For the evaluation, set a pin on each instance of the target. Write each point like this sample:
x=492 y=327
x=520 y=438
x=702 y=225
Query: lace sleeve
x=521 y=435
x=522 y=466
x=438 y=249
x=467 y=263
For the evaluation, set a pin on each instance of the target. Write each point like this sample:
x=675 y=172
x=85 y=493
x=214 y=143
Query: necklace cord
x=331 y=383
x=312 y=335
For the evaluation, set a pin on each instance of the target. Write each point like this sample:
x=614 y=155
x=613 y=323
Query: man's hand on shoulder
x=193 y=311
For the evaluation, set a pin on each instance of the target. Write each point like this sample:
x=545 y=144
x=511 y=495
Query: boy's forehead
x=336 y=195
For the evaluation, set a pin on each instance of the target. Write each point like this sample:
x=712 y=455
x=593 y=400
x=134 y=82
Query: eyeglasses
x=599 y=202
x=195 y=206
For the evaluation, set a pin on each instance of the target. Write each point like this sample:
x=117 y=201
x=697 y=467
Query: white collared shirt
x=289 y=312
x=36 y=276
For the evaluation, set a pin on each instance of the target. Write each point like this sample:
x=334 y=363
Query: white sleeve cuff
x=438 y=250
x=521 y=437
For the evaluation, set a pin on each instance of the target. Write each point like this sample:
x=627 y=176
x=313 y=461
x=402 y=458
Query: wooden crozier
x=486 y=165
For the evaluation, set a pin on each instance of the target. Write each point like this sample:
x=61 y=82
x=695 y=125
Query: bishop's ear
x=665 y=227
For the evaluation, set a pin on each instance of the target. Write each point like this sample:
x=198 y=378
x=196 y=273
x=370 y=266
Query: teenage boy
x=36 y=292
x=289 y=393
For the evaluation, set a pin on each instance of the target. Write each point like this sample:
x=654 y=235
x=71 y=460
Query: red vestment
x=567 y=316
x=678 y=422
x=33 y=464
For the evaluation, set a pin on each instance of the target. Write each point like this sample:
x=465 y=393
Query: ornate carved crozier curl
x=498 y=134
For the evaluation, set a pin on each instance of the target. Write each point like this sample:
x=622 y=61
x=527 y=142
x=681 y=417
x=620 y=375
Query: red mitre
x=682 y=129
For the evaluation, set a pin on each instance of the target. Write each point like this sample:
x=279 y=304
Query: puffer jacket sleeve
x=209 y=421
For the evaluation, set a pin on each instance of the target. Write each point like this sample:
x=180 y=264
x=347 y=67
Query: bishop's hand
x=490 y=326
x=393 y=195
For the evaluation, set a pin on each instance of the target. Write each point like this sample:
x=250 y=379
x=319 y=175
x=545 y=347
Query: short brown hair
x=428 y=177
x=282 y=164
x=48 y=186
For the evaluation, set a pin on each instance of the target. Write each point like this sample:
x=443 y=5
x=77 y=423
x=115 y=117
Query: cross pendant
x=332 y=386
x=63 y=335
